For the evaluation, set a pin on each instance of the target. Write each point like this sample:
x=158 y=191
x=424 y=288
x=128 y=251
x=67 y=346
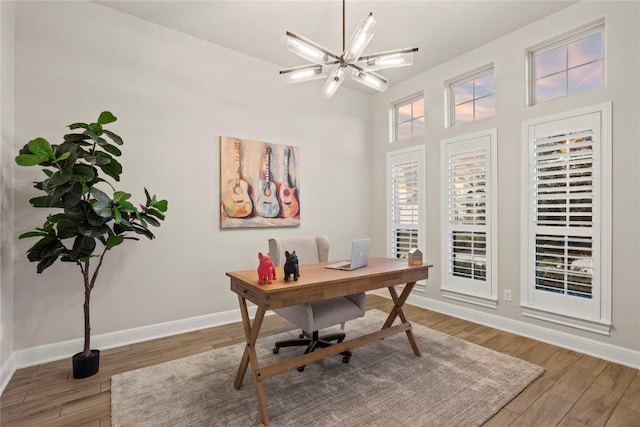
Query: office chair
x=314 y=316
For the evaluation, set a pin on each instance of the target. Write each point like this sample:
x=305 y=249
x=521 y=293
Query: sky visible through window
x=410 y=119
x=568 y=69
x=474 y=99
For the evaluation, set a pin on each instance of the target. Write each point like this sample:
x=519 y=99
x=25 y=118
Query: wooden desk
x=319 y=283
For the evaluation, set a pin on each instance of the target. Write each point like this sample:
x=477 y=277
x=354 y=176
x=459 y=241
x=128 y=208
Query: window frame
x=479 y=292
x=450 y=104
x=394 y=114
x=412 y=154
x=563 y=39
x=596 y=317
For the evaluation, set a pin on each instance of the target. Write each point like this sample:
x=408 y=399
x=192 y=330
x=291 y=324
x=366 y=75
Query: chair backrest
x=309 y=249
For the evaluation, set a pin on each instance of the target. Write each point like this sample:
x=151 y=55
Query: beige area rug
x=455 y=383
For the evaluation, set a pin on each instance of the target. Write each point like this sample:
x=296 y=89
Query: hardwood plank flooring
x=576 y=391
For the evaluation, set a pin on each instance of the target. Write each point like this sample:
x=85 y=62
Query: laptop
x=359 y=256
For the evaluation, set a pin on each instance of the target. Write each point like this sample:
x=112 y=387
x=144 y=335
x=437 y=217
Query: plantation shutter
x=467 y=207
x=567 y=245
x=468 y=218
x=405 y=183
x=404 y=207
x=563 y=198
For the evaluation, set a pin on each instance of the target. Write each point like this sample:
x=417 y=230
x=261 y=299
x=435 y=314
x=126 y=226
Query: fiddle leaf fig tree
x=87 y=221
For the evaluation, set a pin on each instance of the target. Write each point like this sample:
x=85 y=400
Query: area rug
x=454 y=383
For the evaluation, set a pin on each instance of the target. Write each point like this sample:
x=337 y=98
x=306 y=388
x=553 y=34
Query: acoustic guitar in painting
x=266 y=201
x=236 y=202
x=286 y=192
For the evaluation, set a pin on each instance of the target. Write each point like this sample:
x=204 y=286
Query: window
x=472 y=97
x=567 y=207
x=469 y=244
x=408 y=118
x=571 y=65
x=405 y=201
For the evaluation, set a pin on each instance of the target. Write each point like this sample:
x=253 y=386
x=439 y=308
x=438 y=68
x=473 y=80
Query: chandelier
x=327 y=64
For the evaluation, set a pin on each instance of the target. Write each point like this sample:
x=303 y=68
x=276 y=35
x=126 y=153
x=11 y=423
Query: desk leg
x=397 y=311
x=251 y=332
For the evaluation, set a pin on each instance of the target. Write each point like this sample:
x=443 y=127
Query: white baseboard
x=7 y=370
x=610 y=352
x=56 y=351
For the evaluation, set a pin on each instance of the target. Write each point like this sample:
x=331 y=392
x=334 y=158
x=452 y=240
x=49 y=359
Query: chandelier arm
x=364 y=70
x=302 y=67
x=315 y=45
x=343 y=19
x=388 y=52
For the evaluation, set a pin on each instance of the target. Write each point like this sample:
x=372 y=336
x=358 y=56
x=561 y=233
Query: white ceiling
x=440 y=29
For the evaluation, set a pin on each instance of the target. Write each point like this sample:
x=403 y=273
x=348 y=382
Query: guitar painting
x=266 y=201
x=259 y=184
x=236 y=202
x=287 y=192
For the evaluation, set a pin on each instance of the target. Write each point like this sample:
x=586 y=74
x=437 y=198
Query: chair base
x=313 y=342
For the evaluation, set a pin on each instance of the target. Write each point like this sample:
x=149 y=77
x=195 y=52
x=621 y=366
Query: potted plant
x=88 y=221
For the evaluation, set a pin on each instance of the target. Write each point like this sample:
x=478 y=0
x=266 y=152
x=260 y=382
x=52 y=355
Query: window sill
x=471 y=299
x=597 y=326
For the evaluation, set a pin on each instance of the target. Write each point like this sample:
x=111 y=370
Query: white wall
x=174 y=95
x=508 y=55
x=7 y=15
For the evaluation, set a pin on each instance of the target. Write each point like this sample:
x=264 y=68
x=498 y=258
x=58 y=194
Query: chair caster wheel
x=345 y=359
x=276 y=350
x=300 y=368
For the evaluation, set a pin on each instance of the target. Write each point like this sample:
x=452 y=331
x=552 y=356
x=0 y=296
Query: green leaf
x=46 y=263
x=74 y=195
x=102 y=203
x=76 y=137
x=56 y=218
x=32 y=234
x=31 y=159
x=112 y=149
x=96 y=128
x=41 y=146
x=154 y=212
x=61 y=177
x=151 y=220
x=127 y=206
x=113 y=241
x=83 y=247
x=144 y=231
x=42 y=202
x=161 y=205
x=63 y=156
x=76 y=213
x=78 y=125
x=117 y=216
x=91 y=231
x=67 y=229
x=83 y=173
x=146 y=193
x=120 y=196
x=94 y=219
x=113 y=169
x=45 y=247
x=97 y=160
x=115 y=138
x=106 y=117
x=47 y=172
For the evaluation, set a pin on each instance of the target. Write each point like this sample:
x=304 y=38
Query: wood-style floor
x=576 y=389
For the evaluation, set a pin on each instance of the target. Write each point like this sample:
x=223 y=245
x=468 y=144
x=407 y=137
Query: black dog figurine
x=291 y=266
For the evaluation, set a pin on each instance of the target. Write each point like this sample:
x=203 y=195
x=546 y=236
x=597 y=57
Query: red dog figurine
x=266 y=269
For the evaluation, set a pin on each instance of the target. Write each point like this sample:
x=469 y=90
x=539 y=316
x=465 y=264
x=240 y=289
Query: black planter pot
x=84 y=367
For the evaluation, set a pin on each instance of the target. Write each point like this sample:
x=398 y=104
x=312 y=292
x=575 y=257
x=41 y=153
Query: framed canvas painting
x=259 y=184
